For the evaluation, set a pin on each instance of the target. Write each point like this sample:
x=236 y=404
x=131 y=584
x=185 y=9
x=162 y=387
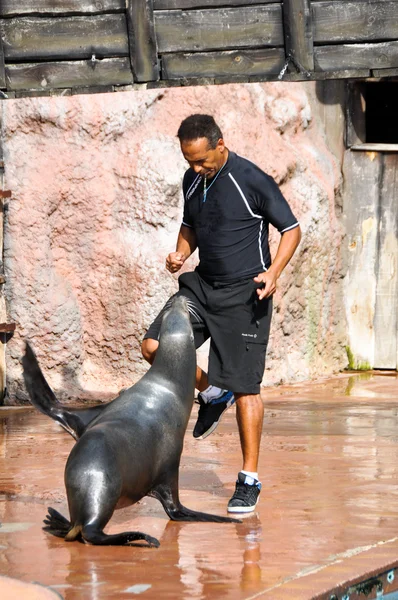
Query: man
x=229 y=203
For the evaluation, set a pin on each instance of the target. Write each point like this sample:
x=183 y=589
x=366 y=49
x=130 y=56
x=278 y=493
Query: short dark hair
x=199 y=126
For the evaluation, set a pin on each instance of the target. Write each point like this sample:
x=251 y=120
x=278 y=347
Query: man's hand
x=174 y=261
x=269 y=281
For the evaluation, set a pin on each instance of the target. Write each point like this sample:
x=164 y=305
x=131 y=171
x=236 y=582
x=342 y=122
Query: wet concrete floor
x=329 y=468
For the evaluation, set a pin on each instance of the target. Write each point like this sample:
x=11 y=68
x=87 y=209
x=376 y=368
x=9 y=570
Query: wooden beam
x=375 y=147
x=216 y=64
x=317 y=75
x=298 y=32
x=354 y=21
x=92 y=89
x=385 y=72
x=219 y=29
x=142 y=40
x=13 y=8
x=66 y=74
x=343 y=74
x=32 y=38
x=189 y=4
x=319 y=1
x=356 y=56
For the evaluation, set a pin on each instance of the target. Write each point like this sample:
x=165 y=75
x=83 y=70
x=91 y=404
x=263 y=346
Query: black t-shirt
x=232 y=225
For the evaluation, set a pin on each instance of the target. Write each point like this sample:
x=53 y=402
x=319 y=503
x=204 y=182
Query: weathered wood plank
x=2 y=66
x=318 y=1
x=353 y=21
x=92 y=89
x=356 y=56
x=385 y=72
x=190 y=4
x=143 y=50
x=219 y=29
x=42 y=93
x=373 y=147
x=343 y=74
x=31 y=38
x=385 y=319
x=10 y=8
x=298 y=32
x=332 y=99
x=361 y=171
x=326 y=75
x=216 y=64
x=355 y=114
x=110 y=71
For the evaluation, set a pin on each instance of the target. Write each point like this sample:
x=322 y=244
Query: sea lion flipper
x=93 y=534
x=43 y=398
x=168 y=496
x=186 y=514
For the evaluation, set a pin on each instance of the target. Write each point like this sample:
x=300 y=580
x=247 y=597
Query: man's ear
x=220 y=145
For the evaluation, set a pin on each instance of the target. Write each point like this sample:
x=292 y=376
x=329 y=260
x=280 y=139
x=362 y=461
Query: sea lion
x=130 y=447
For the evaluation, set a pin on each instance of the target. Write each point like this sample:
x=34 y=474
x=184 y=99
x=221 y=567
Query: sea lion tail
x=43 y=398
x=58 y=525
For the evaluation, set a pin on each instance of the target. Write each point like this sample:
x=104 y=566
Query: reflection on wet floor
x=329 y=467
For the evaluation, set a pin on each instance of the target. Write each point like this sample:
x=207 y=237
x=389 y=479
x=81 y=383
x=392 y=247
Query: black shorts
x=238 y=325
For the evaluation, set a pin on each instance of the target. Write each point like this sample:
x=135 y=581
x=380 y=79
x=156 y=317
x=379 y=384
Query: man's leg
x=249 y=415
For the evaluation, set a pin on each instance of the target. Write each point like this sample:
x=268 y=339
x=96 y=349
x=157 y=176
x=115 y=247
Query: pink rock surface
x=96 y=207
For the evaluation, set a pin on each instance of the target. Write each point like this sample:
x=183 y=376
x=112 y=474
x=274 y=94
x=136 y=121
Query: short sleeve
x=270 y=203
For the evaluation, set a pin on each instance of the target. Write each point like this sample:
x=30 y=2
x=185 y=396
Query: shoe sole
x=213 y=427
x=241 y=509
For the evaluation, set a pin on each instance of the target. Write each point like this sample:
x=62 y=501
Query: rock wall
x=97 y=205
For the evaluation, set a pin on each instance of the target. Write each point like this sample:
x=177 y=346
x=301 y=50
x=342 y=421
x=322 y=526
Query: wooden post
x=298 y=33
x=385 y=321
x=3 y=84
x=3 y=314
x=355 y=114
x=142 y=40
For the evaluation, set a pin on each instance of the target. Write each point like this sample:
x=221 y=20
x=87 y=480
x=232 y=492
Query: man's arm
x=186 y=245
x=287 y=247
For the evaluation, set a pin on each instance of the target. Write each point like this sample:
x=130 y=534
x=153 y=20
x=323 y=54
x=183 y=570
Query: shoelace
x=243 y=490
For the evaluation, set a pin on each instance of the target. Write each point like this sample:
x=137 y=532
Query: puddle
x=138 y=589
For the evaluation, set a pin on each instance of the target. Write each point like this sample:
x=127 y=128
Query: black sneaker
x=210 y=414
x=245 y=497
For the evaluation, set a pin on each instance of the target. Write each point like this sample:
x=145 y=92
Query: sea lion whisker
x=193 y=310
x=194 y=314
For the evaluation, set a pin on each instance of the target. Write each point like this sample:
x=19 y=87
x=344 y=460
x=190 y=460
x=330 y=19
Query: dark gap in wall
x=381 y=112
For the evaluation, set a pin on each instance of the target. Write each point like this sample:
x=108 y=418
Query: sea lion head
x=176 y=322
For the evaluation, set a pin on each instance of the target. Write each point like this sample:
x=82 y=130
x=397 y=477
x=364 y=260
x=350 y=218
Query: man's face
x=203 y=159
